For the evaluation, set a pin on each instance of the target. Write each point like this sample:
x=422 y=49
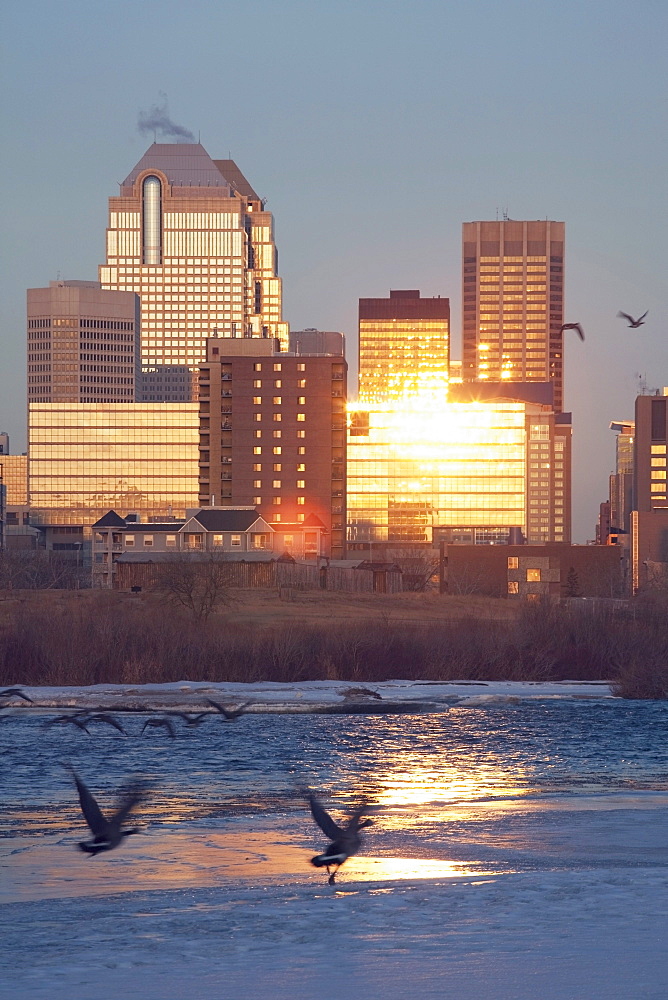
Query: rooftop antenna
x=199 y=137
x=642 y=384
x=505 y=215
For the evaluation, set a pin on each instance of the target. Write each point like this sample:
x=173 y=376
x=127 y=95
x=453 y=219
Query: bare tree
x=199 y=585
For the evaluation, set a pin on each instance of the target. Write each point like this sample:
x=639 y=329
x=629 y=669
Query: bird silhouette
x=157 y=722
x=107 y=719
x=345 y=840
x=229 y=713
x=633 y=323
x=64 y=720
x=574 y=326
x=15 y=693
x=107 y=833
x=190 y=718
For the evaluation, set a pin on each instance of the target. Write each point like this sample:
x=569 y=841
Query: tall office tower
x=83 y=344
x=192 y=238
x=621 y=480
x=404 y=346
x=273 y=436
x=649 y=518
x=513 y=295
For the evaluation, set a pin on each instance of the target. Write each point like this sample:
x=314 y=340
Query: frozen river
x=519 y=850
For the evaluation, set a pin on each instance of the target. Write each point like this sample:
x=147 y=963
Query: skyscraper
x=513 y=294
x=193 y=239
x=83 y=344
x=404 y=345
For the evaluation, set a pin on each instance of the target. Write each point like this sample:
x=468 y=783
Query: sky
x=374 y=128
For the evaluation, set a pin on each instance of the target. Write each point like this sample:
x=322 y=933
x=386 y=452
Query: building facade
x=312 y=341
x=83 y=344
x=192 y=238
x=404 y=347
x=273 y=435
x=463 y=472
x=132 y=457
x=513 y=302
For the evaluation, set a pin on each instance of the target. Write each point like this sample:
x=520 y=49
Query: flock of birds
x=632 y=323
x=108 y=833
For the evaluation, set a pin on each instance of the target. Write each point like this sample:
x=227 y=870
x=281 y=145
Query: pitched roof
x=229 y=518
x=110 y=520
x=185 y=164
x=233 y=175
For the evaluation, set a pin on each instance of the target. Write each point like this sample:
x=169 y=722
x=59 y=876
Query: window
x=276 y=483
x=257 y=401
x=301 y=467
x=217 y=541
x=278 y=400
x=257 y=468
x=301 y=484
x=513 y=587
x=257 y=501
x=277 y=434
x=257 y=417
x=276 y=501
x=194 y=541
x=513 y=562
x=301 y=367
x=533 y=576
x=257 y=384
x=258 y=434
x=257 y=367
x=259 y=541
x=300 y=500
x=278 y=467
x=301 y=434
x=235 y=540
x=278 y=384
x=277 y=450
x=129 y=541
x=277 y=367
x=278 y=417
x=301 y=400
x=301 y=417
x=301 y=383
x=148 y=540
x=288 y=541
x=301 y=450
x=257 y=483
x=275 y=517
x=170 y=541
x=257 y=450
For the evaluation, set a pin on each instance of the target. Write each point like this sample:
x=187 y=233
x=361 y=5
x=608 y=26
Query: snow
x=544 y=878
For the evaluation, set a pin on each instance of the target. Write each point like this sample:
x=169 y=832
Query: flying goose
x=15 y=693
x=633 y=323
x=107 y=719
x=345 y=840
x=107 y=833
x=190 y=718
x=157 y=722
x=63 y=720
x=229 y=713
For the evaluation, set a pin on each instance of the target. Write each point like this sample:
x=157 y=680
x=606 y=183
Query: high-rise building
x=463 y=472
x=513 y=302
x=649 y=518
x=192 y=238
x=132 y=457
x=273 y=436
x=404 y=346
x=621 y=481
x=83 y=343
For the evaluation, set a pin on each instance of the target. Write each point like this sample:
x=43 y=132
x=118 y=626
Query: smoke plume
x=157 y=120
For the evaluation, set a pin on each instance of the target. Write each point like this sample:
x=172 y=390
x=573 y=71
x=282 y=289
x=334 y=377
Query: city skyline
x=409 y=126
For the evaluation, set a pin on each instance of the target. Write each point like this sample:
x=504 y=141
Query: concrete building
x=313 y=341
x=649 y=518
x=83 y=343
x=192 y=238
x=132 y=457
x=513 y=302
x=272 y=435
x=404 y=347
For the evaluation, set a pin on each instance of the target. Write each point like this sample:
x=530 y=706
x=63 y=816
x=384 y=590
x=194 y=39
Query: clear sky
x=374 y=128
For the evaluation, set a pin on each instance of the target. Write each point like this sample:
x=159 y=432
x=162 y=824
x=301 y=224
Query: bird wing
x=353 y=822
x=90 y=808
x=110 y=721
x=623 y=315
x=127 y=803
x=323 y=819
x=580 y=331
x=641 y=318
x=217 y=706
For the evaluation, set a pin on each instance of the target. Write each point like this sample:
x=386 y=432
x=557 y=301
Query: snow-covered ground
x=519 y=849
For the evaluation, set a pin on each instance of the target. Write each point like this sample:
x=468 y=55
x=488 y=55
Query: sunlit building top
x=404 y=345
x=194 y=240
x=513 y=302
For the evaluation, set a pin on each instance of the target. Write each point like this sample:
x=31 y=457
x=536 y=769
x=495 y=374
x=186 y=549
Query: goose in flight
x=109 y=720
x=15 y=693
x=345 y=840
x=633 y=323
x=107 y=833
x=190 y=718
x=574 y=326
x=159 y=721
x=229 y=713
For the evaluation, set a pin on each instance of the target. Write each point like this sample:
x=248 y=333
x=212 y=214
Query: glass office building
x=133 y=457
x=193 y=239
